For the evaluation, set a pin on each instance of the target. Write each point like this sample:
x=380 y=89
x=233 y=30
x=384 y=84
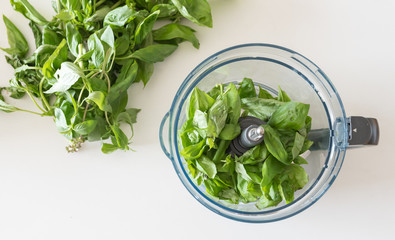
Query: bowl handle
x=162 y=142
x=363 y=131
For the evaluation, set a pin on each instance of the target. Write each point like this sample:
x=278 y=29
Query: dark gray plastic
x=363 y=131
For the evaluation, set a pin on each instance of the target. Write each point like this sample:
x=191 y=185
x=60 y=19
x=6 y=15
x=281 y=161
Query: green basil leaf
x=270 y=169
x=74 y=38
x=120 y=16
x=299 y=160
x=122 y=44
x=51 y=37
x=154 y=53
x=72 y=5
x=254 y=155
x=145 y=71
x=97 y=47
x=212 y=188
x=274 y=144
x=60 y=120
x=6 y=107
x=229 y=194
x=217 y=116
x=282 y=96
x=121 y=139
x=242 y=171
x=16 y=40
x=99 y=98
x=197 y=11
x=230 y=132
x=306 y=146
x=145 y=27
x=48 y=68
x=165 y=10
x=264 y=94
x=108 y=148
x=297 y=145
x=129 y=116
x=194 y=151
x=260 y=108
x=99 y=15
x=24 y=7
x=199 y=100
x=176 y=31
x=244 y=187
x=291 y=115
x=125 y=79
x=205 y=165
x=247 y=88
x=66 y=76
x=37 y=33
x=232 y=100
x=85 y=127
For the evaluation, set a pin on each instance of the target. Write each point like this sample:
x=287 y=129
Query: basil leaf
x=99 y=98
x=194 y=151
x=122 y=140
x=197 y=11
x=297 y=145
x=74 y=38
x=174 y=31
x=199 y=100
x=50 y=65
x=6 y=107
x=282 y=96
x=16 y=40
x=270 y=168
x=97 y=47
x=242 y=171
x=120 y=16
x=232 y=99
x=165 y=10
x=205 y=165
x=274 y=144
x=24 y=7
x=217 y=116
x=37 y=33
x=145 y=71
x=291 y=115
x=260 y=108
x=264 y=94
x=145 y=27
x=66 y=76
x=72 y=5
x=108 y=148
x=247 y=88
x=154 y=53
x=86 y=127
x=299 y=160
x=230 y=132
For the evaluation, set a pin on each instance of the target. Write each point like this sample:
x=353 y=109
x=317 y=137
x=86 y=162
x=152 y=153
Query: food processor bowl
x=271 y=66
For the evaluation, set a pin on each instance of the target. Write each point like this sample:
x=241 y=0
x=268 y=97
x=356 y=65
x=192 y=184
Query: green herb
x=90 y=53
x=268 y=173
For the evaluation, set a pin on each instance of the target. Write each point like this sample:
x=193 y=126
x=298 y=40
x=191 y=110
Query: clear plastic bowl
x=270 y=66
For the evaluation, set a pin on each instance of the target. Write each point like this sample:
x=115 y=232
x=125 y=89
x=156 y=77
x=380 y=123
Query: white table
x=46 y=193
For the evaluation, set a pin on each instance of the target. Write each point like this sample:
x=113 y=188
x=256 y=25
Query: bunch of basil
x=267 y=173
x=87 y=57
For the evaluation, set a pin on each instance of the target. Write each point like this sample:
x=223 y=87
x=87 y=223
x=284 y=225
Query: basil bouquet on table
x=267 y=173
x=88 y=56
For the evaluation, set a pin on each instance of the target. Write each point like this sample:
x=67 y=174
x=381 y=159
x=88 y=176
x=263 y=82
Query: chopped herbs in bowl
x=269 y=172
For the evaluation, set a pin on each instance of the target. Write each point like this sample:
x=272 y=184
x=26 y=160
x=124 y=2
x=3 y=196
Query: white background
x=46 y=193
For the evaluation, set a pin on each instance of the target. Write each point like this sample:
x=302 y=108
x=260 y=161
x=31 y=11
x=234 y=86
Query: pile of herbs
x=267 y=173
x=87 y=57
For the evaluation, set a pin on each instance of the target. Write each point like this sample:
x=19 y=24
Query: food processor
x=271 y=66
